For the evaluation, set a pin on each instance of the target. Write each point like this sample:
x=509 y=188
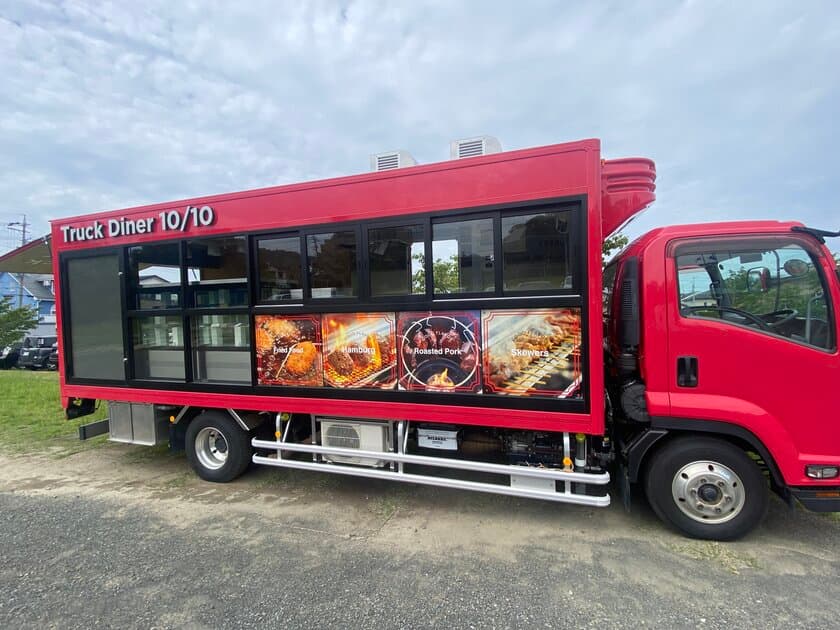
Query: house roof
x=33 y=284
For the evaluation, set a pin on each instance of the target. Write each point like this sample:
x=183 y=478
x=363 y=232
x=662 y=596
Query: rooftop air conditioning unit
x=362 y=436
x=472 y=147
x=390 y=160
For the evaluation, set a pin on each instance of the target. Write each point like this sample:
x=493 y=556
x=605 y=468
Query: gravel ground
x=122 y=537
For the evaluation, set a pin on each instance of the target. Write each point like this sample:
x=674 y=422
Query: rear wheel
x=217 y=448
x=706 y=488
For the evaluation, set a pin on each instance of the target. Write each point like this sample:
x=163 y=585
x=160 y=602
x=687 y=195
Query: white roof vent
x=390 y=160
x=471 y=147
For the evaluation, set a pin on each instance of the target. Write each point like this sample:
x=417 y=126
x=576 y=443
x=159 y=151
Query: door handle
x=687 y=371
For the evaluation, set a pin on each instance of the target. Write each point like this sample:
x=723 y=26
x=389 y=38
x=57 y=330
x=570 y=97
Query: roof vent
x=472 y=147
x=390 y=160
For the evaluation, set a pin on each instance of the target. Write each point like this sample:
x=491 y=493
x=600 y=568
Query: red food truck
x=451 y=324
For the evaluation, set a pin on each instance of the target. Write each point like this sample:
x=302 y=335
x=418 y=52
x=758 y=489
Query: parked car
x=36 y=353
x=9 y=355
x=52 y=361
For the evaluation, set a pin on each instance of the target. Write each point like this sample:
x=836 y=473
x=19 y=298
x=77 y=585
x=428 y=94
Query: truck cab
x=723 y=363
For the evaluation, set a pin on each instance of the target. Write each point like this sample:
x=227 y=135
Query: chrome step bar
x=401 y=458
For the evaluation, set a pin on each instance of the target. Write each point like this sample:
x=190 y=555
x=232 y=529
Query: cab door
x=752 y=340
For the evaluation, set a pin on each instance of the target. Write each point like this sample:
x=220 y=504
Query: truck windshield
x=772 y=286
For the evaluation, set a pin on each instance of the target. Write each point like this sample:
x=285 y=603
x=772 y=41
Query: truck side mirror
x=795 y=268
x=758 y=280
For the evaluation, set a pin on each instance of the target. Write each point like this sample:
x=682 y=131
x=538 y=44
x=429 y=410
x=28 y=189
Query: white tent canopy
x=34 y=257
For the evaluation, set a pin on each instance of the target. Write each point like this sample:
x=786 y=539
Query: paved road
x=119 y=537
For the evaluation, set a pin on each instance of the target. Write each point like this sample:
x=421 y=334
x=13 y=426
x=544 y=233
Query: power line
x=19 y=226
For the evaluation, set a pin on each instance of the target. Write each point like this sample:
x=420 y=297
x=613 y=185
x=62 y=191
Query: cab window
x=773 y=286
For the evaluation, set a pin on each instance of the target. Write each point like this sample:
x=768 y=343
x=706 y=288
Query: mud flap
x=622 y=481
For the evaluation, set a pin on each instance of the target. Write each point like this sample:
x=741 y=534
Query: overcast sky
x=109 y=105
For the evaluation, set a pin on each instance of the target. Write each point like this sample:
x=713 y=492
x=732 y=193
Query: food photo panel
x=440 y=352
x=359 y=350
x=532 y=352
x=289 y=350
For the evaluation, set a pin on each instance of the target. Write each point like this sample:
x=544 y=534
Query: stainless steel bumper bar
x=442 y=482
x=440 y=462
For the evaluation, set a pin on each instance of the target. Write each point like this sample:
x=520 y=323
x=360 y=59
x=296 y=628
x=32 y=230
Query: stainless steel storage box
x=137 y=423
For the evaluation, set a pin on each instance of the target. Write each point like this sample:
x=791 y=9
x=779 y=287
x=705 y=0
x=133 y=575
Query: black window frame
x=410 y=298
x=462 y=218
x=548 y=208
x=576 y=297
x=131 y=290
x=254 y=281
x=188 y=289
x=362 y=294
x=66 y=316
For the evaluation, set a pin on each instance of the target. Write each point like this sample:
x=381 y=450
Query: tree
x=444 y=272
x=614 y=243
x=14 y=322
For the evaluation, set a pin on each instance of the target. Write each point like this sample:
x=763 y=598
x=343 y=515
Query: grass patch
x=722 y=554
x=32 y=419
x=151 y=453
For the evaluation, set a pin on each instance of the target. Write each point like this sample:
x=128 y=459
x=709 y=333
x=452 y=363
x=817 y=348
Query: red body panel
x=783 y=392
x=572 y=169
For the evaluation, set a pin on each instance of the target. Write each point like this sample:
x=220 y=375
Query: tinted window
x=96 y=335
x=217 y=272
x=535 y=252
x=772 y=286
x=396 y=260
x=462 y=256
x=332 y=264
x=154 y=276
x=279 y=264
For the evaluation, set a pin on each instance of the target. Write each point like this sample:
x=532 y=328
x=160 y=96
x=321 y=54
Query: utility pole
x=20 y=226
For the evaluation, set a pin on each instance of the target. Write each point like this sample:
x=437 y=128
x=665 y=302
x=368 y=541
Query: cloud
x=118 y=104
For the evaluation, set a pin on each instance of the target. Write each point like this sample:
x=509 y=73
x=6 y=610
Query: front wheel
x=706 y=488
x=217 y=448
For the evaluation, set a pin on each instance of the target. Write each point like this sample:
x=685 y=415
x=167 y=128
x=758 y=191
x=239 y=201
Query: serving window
x=396 y=259
x=217 y=272
x=333 y=264
x=154 y=276
x=484 y=302
x=536 y=252
x=221 y=345
x=279 y=269
x=463 y=260
x=158 y=347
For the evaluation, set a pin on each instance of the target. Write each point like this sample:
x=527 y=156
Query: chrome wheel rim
x=211 y=448
x=708 y=492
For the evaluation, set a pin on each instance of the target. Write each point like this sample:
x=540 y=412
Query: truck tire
x=706 y=488
x=218 y=449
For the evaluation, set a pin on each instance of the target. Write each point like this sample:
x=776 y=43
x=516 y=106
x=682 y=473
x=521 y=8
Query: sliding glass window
x=217 y=276
x=217 y=272
x=154 y=277
x=332 y=264
x=462 y=257
x=221 y=348
x=536 y=252
x=395 y=259
x=279 y=269
x=158 y=347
